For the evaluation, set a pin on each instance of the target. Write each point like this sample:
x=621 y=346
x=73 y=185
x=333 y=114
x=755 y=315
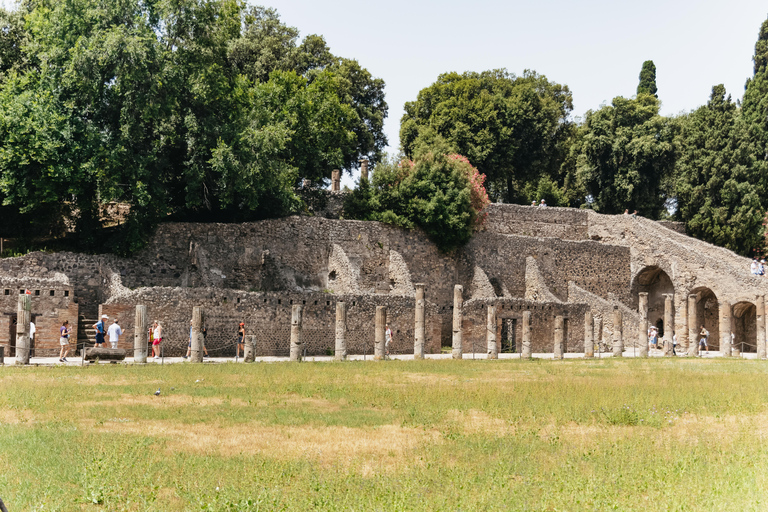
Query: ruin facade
x=557 y=266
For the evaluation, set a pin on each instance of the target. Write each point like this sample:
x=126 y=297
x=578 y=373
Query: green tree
x=515 y=129
x=714 y=195
x=752 y=134
x=647 y=83
x=627 y=152
x=204 y=109
x=440 y=192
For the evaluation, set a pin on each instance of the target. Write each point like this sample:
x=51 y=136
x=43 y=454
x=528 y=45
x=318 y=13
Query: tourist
x=754 y=267
x=64 y=332
x=32 y=330
x=674 y=344
x=240 y=340
x=704 y=338
x=626 y=211
x=533 y=203
x=761 y=268
x=100 y=330
x=543 y=204
x=157 y=339
x=114 y=333
x=653 y=337
x=387 y=340
x=634 y=214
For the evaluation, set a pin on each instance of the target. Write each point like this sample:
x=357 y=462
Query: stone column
x=526 y=335
x=335 y=180
x=693 y=324
x=599 y=331
x=760 y=327
x=340 y=354
x=642 y=331
x=558 y=337
x=725 y=327
x=618 y=340
x=669 y=320
x=23 y=319
x=420 y=331
x=681 y=325
x=589 y=334
x=379 y=336
x=490 y=333
x=297 y=344
x=364 y=169
x=198 y=321
x=457 y=350
x=249 y=348
x=140 y=334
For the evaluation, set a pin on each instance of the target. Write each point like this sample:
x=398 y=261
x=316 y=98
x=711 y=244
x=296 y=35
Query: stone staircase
x=86 y=335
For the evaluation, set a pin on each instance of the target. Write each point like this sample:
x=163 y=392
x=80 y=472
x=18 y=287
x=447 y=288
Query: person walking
x=240 y=340
x=387 y=340
x=64 y=333
x=101 y=329
x=114 y=332
x=704 y=333
x=653 y=337
x=157 y=339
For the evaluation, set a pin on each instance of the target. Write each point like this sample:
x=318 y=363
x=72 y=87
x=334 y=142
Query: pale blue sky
x=596 y=47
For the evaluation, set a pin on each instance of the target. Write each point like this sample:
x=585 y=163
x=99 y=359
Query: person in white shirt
x=754 y=267
x=114 y=333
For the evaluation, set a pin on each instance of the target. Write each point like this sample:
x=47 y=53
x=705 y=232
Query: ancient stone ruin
x=552 y=280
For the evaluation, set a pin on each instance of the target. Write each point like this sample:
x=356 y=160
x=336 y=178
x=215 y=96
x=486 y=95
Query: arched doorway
x=656 y=283
x=708 y=315
x=744 y=325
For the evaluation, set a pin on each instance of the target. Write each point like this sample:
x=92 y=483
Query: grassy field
x=430 y=435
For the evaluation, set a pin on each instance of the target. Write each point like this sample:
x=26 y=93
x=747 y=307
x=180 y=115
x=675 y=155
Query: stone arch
x=744 y=326
x=707 y=314
x=656 y=283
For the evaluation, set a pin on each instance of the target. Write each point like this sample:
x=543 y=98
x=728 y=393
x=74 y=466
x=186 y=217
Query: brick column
x=618 y=339
x=379 y=336
x=340 y=353
x=140 y=335
x=589 y=334
x=725 y=327
x=297 y=344
x=419 y=336
x=669 y=315
x=526 y=335
x=490 y=333
x=23 y=319
x=198 y=320
x=456 y=348
x=693 y=324
x=642 y=331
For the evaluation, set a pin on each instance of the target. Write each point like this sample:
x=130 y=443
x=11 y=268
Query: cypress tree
x=647 y=83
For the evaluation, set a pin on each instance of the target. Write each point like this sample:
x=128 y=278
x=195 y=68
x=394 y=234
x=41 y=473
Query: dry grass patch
x=376 y=446
x=726 y=429
x=474 y=421
x=14 y=417
x=165 y=401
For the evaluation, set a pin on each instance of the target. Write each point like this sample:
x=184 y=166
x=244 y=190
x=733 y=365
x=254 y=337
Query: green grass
x=428 y=435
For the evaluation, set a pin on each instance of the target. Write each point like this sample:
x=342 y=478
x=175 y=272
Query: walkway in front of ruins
x=629 y=354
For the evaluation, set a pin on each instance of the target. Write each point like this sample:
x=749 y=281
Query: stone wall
x=532 y=221
x=52 y=304
x=267 y=315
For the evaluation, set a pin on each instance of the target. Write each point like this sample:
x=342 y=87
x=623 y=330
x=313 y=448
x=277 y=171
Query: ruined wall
x=542 y=325
x=267 y=315
x=52 y=303
x=562 y=223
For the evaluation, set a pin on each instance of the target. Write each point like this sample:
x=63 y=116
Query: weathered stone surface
x=526 y=354
x=340 y=352
x=589 y=334
x=198 y=322
x=297 y=344
x=669 y=319
x=379 y=340
x=104 y=354
x=140 y=334
x=456 y=338
x=490 y=333
x=618 y=335
x=419 y=339
x=642 y=332
x=23 y=318
x=558 y=350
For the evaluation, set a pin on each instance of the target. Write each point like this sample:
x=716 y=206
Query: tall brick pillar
x=379 y=336
x=669 y=319
x=140 y=334
x=340 y=354
x=725 y=327
x=23 y=319
x=589 y=334
x=297 y=344
x=490 y=333
x=618 y=335
x=526 y=354
x=420 y=333
x=198 y=321
x=458 y=300
x=693 y=325
x=335 y=180
x=642 y=331
x=558 y=351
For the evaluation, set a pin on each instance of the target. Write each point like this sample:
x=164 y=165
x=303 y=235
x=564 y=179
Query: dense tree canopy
x=203 y=107
x=715 y=197
x=514 y=129
x=626 y=152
